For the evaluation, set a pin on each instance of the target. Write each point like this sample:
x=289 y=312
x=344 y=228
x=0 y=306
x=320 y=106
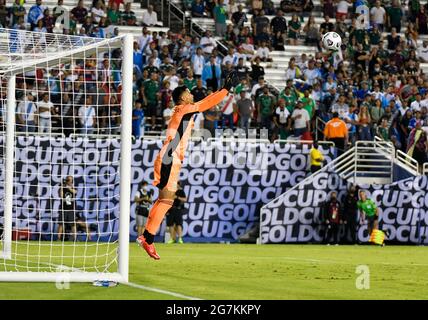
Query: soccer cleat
x=180 y=240
x=150 y=248
x=170 y=241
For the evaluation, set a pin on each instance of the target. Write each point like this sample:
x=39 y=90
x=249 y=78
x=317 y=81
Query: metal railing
x=400 y=157
x=408 y=161
x=319 y=127
x=425 y=168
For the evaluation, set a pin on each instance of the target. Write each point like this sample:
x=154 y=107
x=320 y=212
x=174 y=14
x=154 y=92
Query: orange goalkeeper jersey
x=169 y=160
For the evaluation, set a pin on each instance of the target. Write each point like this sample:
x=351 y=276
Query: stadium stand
x=372 y=89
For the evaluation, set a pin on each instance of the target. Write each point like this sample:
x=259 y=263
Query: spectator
x=143 y=200
x=311 y=75
x=167 y=113
x=244 y=109
x=326 y=26
x=198 y=9
x=333 y=219
x=278 y=41
x=423 y=52
x=342 y=8
x=263 y=52
x=227 y=107
x=293 y=72
x=113 y=14
x=336 y=131
x=301 y=119
x=231 y=57
x=265 y=104
x=241 y=69
x=308 y=104
x=238 y=19
x=45 y=110
x=87 y=116
x=383 y=130
x=35 y=13
x=247 y=48
x=220 y=18
x=26 y=116
x=98 y=11
x=151 y=96
x=364 y=123
x=17 y=11
x=199 y=92
x=422 y=21
x=4 y=12
x=211 y=74
x=259 y=22
x=208 y=43
x=137 y=119
x=278 y=23
x=378 y=16
x=417 y=145
x=394 y=16
x=127 y=16
x=312 y=34
x=294 y=28
x=150 y=17
x=328 y=8
x=80 y=12
x=282 y=121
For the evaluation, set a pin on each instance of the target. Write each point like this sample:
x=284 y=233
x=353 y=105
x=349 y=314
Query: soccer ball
x=332 y=41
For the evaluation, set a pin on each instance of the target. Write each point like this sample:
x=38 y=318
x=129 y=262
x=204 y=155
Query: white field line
x=170 y=293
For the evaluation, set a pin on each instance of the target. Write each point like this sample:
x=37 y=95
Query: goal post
x=66 y=110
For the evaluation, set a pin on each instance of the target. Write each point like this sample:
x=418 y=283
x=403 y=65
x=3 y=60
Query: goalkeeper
x=169 y=160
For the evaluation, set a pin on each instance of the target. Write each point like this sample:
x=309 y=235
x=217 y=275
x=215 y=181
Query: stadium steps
x=343 y=166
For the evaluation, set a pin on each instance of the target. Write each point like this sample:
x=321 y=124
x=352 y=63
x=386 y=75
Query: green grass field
x=236 y=271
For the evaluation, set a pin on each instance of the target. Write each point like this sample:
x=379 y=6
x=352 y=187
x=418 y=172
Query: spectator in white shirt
x=144 y=40
x=416 y=105
x=263 y=52
x=378 y=15
x=150 y=17
x=301 y=119
x=231 y=57
x=227 y=106
x=98 y=12
x=26 y=114
x=341 y=107
x=293 y=72
x=248 y=48
x=311 y=74
x=208 y=43
x=198 y=62
x=167 y=113
x=86 y=116
x=423 y=52
x=45 y=110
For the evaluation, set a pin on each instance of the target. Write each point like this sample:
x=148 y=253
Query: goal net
x=65 y=145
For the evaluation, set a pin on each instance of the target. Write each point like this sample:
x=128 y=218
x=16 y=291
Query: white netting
x=67 y=151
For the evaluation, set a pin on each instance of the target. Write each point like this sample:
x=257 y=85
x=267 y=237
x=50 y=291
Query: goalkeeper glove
x=232 y=80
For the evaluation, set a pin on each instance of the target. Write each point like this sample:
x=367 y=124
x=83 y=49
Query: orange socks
x=156 y=215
